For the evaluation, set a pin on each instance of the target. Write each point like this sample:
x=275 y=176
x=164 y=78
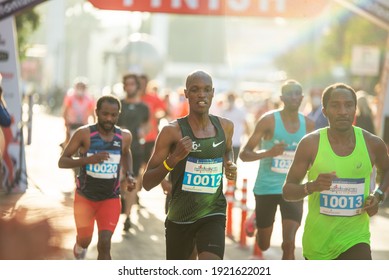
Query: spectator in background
x=183 y=106
x=238 y=116
x=364 y=117
x=166 y=97
x=78 y=107
x=316 y=113
x=5 y=121
x=158 y=110
x=134 y=116
x=5 y=118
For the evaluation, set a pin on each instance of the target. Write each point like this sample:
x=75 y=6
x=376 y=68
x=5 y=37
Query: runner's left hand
x=129 y=182
x=371 y=205
x=230 y=170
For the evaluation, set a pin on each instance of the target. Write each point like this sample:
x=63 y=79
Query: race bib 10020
x=107 y=169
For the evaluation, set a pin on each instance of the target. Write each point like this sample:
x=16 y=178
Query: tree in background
x=26 y=23
x=325 y=56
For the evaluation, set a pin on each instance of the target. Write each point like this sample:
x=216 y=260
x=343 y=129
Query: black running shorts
x=266 y=207
x=206 y=235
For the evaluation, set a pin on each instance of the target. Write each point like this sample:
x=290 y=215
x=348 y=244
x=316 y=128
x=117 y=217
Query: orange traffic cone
x=243 y=205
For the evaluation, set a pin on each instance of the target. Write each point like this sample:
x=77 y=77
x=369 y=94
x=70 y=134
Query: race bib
x=202 y=175
x=281 y=163
x=345 y=198
x=107 y=169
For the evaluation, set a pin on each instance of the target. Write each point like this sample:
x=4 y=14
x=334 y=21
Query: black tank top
x=198 y=179
x=100 y=181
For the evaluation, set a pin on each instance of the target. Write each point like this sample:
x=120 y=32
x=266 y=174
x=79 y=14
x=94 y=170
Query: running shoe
x=250 y=225
x=79 y=254
x=127 y=224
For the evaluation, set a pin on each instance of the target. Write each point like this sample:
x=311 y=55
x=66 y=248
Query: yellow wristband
x=168 y=168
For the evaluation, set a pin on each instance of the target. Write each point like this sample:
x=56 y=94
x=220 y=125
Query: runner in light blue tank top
x=273 y=143
x=272 y=170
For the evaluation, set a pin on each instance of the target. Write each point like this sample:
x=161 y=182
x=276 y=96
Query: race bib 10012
x=203 y=175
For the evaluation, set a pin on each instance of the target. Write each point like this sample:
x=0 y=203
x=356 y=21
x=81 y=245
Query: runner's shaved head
x=197 y=74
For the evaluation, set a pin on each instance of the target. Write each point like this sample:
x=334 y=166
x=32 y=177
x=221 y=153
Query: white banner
x=365 y=60
x=14 y=176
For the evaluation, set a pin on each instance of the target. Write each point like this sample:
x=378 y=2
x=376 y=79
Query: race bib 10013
x=345 y=198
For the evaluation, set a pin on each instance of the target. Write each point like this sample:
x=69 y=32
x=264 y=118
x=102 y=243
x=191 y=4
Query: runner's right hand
x=323 y=181
x=182 y=149
x=98 y=157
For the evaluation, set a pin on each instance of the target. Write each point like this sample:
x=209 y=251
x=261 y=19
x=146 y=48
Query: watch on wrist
x=306 y=190
x=380 y=194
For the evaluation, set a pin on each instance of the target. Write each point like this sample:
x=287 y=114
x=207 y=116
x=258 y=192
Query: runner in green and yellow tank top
x=339 y=161
x=335 y=221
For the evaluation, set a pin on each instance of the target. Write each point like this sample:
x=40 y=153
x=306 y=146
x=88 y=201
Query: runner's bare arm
x=230 y=168
x=263 y=130
x=127 y=161
x=169 y=149
x=76 y=144
x=382 y=163
x=378 y=151
x=292 y=190
x=303 y=159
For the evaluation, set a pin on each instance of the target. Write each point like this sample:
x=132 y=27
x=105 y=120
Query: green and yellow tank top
x=335 y=220
x=197 y=181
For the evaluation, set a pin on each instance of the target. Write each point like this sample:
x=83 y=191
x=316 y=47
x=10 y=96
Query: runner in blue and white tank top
x=100 y=181
x=105 y=153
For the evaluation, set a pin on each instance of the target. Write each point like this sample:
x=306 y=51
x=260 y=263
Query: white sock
x=79 y=249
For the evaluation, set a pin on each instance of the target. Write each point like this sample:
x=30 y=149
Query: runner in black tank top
x=197 y=180
x=197 y=151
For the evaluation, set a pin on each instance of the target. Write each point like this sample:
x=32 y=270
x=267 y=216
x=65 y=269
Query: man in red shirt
x=158 y=110
x=78 y=107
